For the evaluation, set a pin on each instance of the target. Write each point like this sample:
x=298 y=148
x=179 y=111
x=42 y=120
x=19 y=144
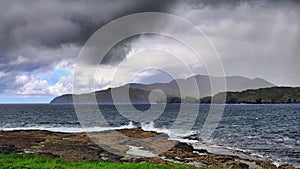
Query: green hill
x=271 y=95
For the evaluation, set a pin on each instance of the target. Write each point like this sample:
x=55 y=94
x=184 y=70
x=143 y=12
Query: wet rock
x=286 y=166
x=203 y=151
x=124 y=159
x=185 y=146
x=235 y=164
x=266 y=164
x=155 y=160
x=49 y=155
x=192 y=137
x=197 y=164
x=224 y=159
x=137 y=133
x=178 y=153
x=6 y=149
x=243 y=166
x=231 y=165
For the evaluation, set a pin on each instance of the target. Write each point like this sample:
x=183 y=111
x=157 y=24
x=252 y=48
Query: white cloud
x=37 y=83
x=19 y=60
x=22 y=79
x=30 y=85
x=63 y=86
x=2 y=74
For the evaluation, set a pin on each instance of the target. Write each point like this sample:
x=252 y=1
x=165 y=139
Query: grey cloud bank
x=253 y=38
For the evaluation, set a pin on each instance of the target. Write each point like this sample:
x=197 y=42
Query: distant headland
x=239 y=90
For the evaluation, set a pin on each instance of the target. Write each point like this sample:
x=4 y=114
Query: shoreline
x=81 y=147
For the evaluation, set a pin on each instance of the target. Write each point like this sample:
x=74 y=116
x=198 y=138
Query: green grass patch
x=26 y=161
x=35 y=147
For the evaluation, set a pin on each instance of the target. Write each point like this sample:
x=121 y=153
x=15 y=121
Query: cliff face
x=271 y=95
x=139 y=93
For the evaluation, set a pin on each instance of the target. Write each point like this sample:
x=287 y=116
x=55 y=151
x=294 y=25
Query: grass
x=26 y=161
x=35 y=147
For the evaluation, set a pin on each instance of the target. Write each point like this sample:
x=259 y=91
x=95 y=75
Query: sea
x=268 y=132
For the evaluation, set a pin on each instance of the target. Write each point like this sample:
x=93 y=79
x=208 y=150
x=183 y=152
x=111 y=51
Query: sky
x=40 y=42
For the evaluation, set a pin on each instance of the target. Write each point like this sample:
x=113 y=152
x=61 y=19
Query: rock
x=234 y=164
x=243 y=166
x=185 y=146
x=286 y=166
x=6 y=149
x=104 y=158
x=124 y=159
x=189 y=148
x=137 y=133
x=49 y=155
x=155 y=160
x=192 y=137
x=180 y=153
x=266 y=164
x=224 y=159
x=203 y=151
x=231 y=165
x=197 y=164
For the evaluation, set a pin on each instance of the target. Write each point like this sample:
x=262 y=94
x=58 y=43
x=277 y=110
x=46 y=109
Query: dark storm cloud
x=37 y=25
x=34 y=35
x=52 y=23
x=118 y=52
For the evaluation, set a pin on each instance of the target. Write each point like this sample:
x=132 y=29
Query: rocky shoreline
x=126 y=145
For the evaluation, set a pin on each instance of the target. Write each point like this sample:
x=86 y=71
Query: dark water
x=269 y=131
